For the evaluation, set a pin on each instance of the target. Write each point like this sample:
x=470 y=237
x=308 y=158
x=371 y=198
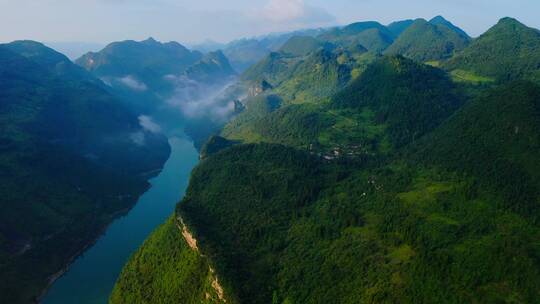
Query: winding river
x=90 y=279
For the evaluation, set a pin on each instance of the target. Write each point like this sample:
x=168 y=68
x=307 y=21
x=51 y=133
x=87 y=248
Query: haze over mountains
x=72 y=158
x=363 y=163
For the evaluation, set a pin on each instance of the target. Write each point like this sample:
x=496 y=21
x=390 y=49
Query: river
x=90 y=279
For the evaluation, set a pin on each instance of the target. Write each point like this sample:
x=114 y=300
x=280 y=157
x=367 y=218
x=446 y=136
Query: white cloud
x=132 y=83
x=148 y=124
x=196 y=100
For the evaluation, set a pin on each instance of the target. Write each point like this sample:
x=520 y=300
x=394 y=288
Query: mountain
x=301 y=45
x=267 y=215
x=315 y=77
x=509 y=50
x=424 y=41
x=399 y=27
x=471 y=141
x=408 y=98
x=359 y=27
x=385 y=108
x=143 y=72
x=398 y=184
x=272 y=68
x=144 y=60
x=72 y=158
x=440 y=20
x=244 y=53
x=371 y=35
x=169 y=83
x=213 y=67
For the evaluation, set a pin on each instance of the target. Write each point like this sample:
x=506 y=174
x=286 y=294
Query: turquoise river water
x=90 y=279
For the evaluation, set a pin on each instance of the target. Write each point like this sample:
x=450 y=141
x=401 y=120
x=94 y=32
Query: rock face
x=259 y=88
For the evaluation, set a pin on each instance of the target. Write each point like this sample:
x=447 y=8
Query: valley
x=363 y=163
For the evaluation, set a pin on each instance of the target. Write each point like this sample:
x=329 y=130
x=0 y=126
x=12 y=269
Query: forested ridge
x=68 y=165
x=405 y=177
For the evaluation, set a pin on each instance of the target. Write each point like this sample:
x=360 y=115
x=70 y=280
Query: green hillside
x=145 y=59
x=244 y=53
x=424 y=41
x=509 y=50
x=399 y=27
x=273 y=68
x=316 y=77
x=511 y=168
x=179 y=265
x=408 y=98
x=387 y=106
x=399 y=184
x=70 y=164
x=439 y=20
x=372 y=35
x=301 y=45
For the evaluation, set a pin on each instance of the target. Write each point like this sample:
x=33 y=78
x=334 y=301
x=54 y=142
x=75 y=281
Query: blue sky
x=195 y=21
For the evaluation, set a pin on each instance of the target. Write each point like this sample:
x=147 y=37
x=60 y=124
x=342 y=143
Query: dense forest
x=359 y=177
x=370 y=164
x=69 y=164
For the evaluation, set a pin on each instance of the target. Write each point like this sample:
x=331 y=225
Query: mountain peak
x=440 y=20
x=150 y=40
x=37 y=52
x=509 y=21
x=427 y=41
x=507 y=51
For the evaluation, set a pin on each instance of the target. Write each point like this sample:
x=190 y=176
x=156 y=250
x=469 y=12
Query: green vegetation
x=214 y=145
x=439 y=20
x=183 y=275
x=511 y=169
x=410 y=98
x=399 y=27
x=424 y=41
x=508 y=51
x=469 y=77
x=283 y=227
x=401 y=184
x=213 y=67
x=273 y=68
x=301 y=45
x=372 y=35
x=244 y=53
x=69 y=165
x=150 y=75
x=320 y=75
x=144 y=60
